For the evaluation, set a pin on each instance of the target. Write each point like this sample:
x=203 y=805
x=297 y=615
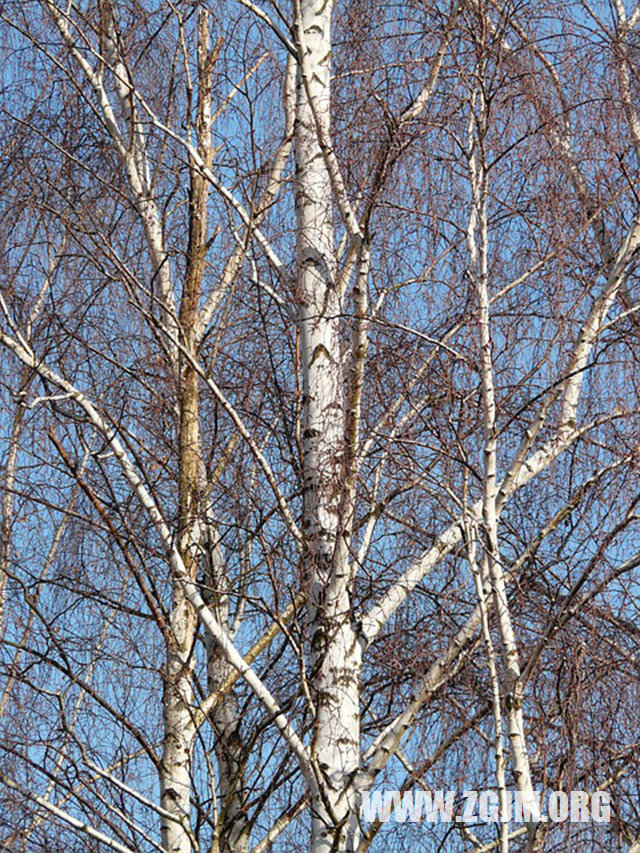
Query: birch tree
x=319 y=342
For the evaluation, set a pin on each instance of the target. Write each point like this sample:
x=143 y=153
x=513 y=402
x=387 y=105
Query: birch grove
x=320 y=422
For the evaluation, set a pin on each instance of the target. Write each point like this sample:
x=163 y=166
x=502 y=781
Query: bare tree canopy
x=320 y=408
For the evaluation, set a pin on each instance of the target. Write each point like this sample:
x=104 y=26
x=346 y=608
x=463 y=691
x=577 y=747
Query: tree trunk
x=232 y=829
x=179 y=726
x=179 y=723
x=336 y=653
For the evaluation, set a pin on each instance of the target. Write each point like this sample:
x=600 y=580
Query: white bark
x=336 y=651
x=480 y=579
x=179 y=730
x=6 y=507
x=477 y=241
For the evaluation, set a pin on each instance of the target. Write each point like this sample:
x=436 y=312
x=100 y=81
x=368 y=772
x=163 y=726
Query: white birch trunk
x=336 y=652
x=179 y=731
x=481 y=578
x=6 y=511
x=478 y=244
x=178 y=697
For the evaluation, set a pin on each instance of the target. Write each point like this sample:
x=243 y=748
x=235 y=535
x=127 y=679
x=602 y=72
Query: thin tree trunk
x=478 y=245
x=179 y=706
x=178 y=699
x=232 y=827
x=6 y=520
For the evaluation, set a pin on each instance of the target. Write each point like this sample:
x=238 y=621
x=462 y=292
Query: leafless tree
x=319 y=344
